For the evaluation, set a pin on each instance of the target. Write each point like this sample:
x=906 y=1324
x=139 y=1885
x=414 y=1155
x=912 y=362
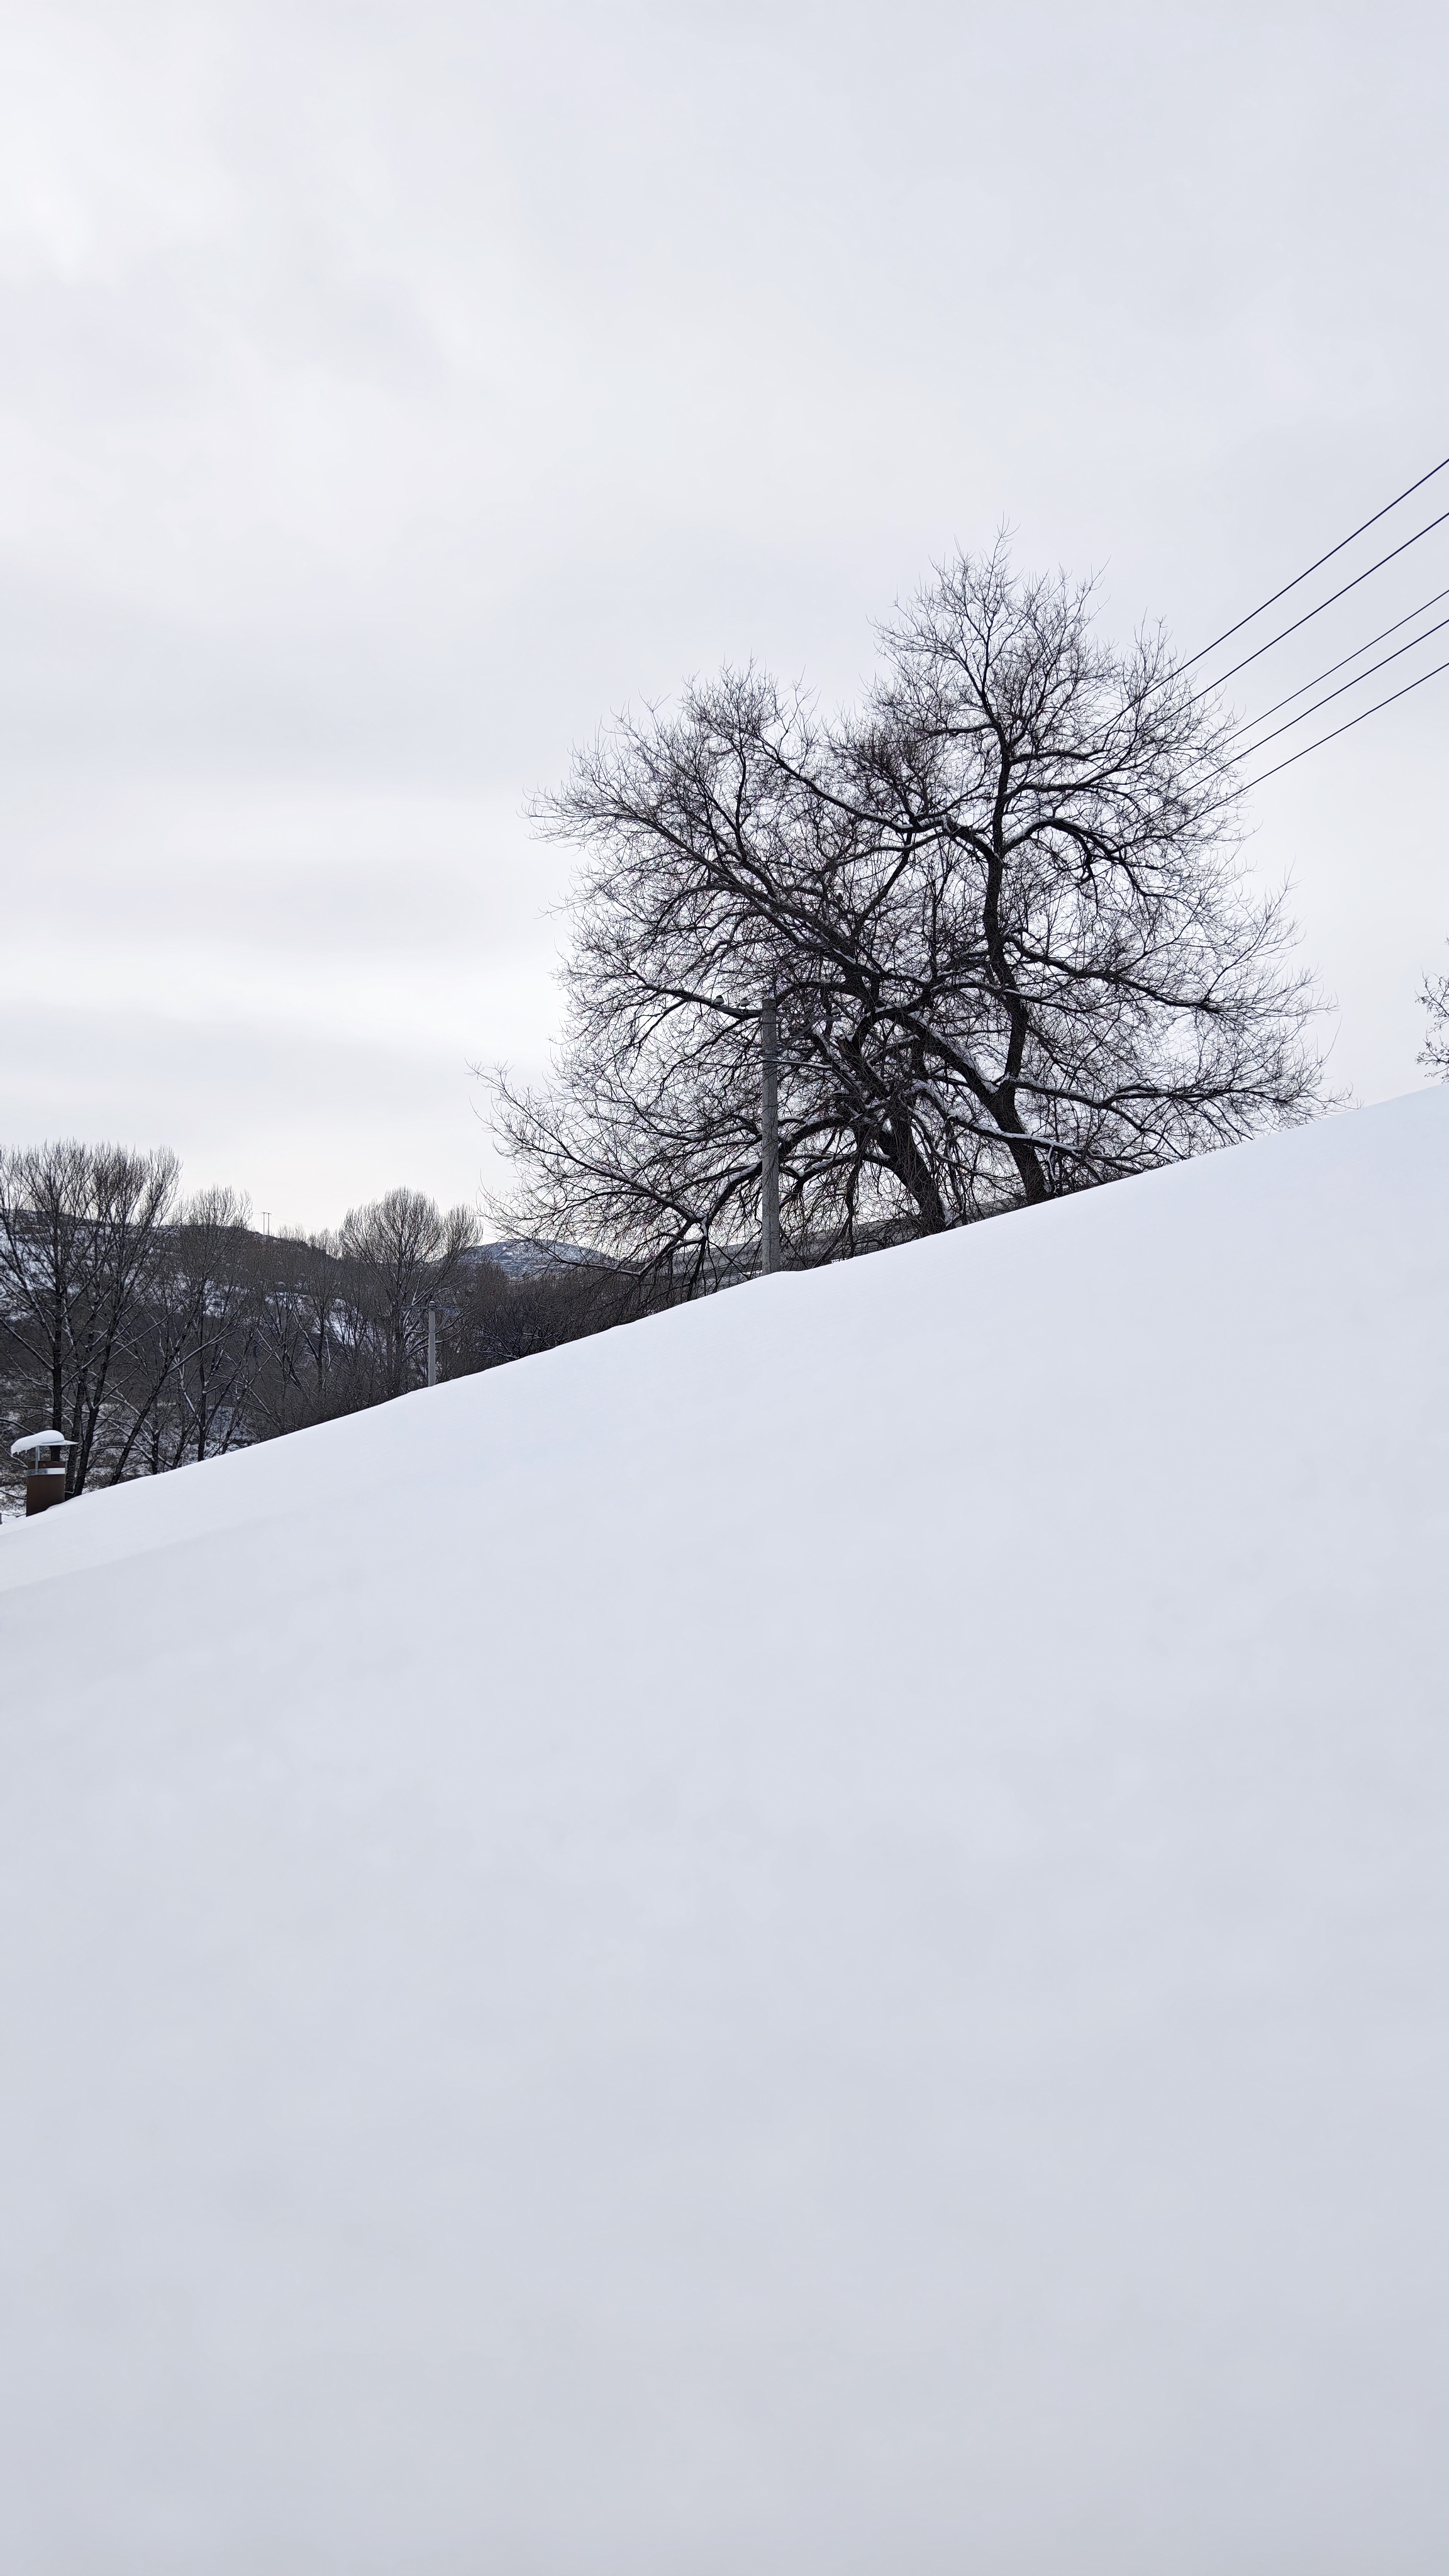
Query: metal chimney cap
x=35 y=1441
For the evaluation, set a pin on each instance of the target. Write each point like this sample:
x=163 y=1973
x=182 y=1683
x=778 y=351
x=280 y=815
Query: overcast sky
x=391 y=388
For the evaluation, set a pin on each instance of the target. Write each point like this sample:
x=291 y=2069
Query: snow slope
x=808 y=1940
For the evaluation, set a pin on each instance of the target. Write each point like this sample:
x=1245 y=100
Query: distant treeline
x=153 y=1330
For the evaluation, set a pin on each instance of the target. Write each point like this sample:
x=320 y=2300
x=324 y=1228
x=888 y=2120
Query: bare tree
x=1003 y=912
x=1434 y=997
x=191 y=1360
x=176 y=1333
x=401 y=1254
x=307 y=1335
x=80 y=1227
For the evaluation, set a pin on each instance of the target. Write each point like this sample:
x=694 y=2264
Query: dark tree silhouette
x=1002 y=909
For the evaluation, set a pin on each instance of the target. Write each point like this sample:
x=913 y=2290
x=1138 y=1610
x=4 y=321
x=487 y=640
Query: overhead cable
x=1301 y=577
x=1341 y=691
x=1377 y=709
x=1309 y=614
x=1320 y=676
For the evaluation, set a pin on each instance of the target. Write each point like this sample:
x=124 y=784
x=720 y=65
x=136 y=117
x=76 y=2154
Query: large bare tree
x=1002 y=908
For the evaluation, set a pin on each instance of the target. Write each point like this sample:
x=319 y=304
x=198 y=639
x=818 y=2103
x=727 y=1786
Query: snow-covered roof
x=35 y=1441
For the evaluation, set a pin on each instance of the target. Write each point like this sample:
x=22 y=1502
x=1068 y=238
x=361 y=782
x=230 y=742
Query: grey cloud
x=387 y=393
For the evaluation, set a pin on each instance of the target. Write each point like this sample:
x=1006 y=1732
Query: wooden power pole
x=769 y=1134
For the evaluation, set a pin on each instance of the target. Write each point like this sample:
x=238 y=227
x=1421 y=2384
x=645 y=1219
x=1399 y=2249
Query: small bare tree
x=305 y=1368
x=401 y=1254
x=1001 y=909
x=192 y=1357
x=1434 y=999
x=80 y=1227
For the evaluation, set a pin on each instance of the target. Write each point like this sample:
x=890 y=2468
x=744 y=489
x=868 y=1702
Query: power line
x=1339 y=692
x=1300 y=577
x=1309 y=614
x=1319 y=677
x=1377 y=709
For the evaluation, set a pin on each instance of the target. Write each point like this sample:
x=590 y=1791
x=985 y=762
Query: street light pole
x=769 y=1133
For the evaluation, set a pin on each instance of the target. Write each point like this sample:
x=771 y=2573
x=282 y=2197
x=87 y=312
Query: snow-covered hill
x=808 y=1940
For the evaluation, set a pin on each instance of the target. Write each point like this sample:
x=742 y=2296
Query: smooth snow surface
x=808 y=1940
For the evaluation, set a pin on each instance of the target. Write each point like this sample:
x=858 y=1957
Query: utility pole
x=769 y=1133
x=432 y=1346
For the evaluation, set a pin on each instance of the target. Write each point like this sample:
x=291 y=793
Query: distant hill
x=525 y=1259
